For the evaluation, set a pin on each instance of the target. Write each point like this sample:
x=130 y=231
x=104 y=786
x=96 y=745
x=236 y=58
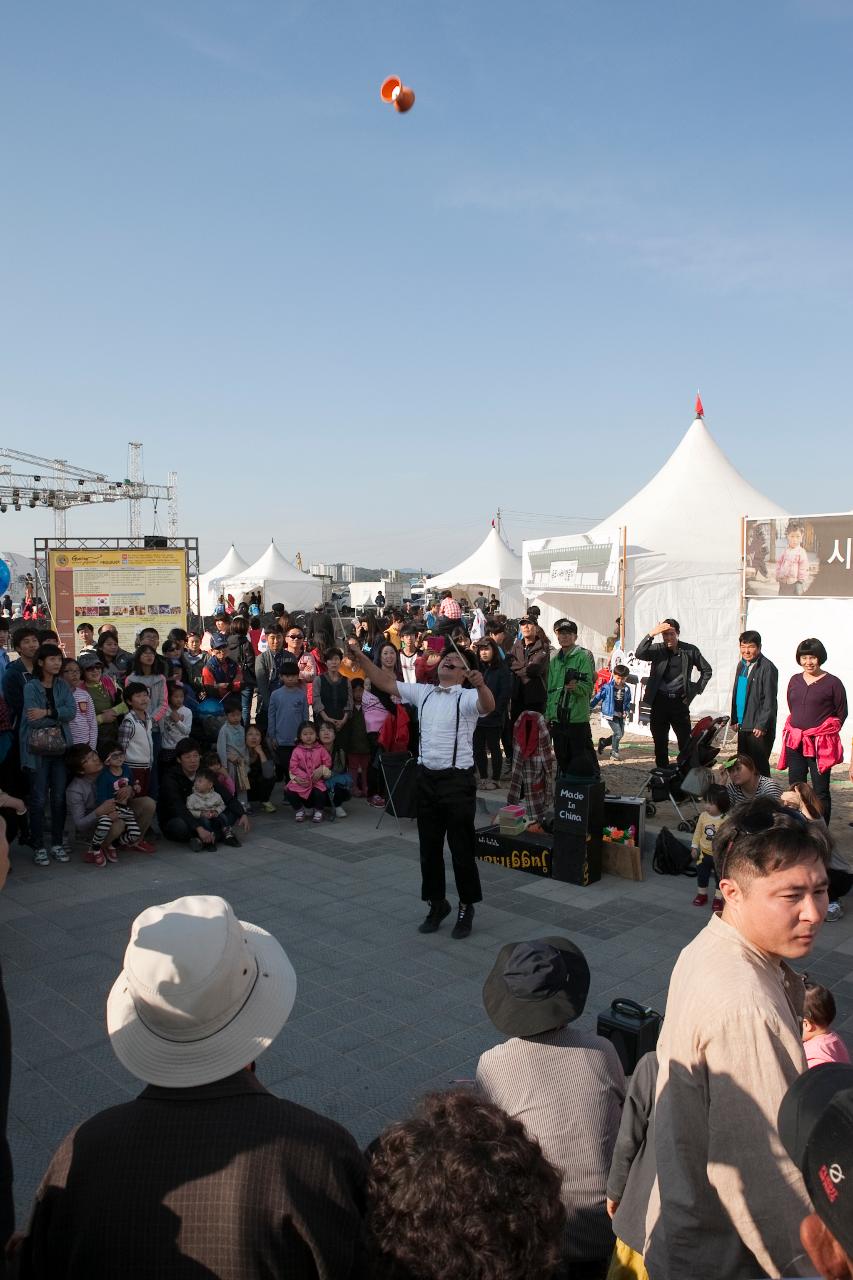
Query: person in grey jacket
x=670 y=689
x=633 y=1169
x=267 y=675
x=754 y=700
x=84 y=767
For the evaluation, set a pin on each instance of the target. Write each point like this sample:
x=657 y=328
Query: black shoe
x=437 y=912
x=602 y=743
x=232 y=842
x=196 y=845
x=464 y=921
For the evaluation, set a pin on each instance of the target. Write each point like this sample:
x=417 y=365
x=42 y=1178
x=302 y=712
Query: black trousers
x=447 y=803
x=804 y=768
x=488 y=739
x=668 y=713
x=758 y=749
x=571 y=741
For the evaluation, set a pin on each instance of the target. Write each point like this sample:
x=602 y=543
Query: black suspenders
x=456 y=734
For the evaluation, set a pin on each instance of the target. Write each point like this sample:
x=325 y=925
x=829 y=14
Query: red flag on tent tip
x=700 y=412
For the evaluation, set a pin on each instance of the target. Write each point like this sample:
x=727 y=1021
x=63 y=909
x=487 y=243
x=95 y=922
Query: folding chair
x=398 y=772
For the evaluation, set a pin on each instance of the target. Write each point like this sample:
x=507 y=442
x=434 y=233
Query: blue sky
x=363 y=332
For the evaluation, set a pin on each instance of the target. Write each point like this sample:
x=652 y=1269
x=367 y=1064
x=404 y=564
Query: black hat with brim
x=536 y=986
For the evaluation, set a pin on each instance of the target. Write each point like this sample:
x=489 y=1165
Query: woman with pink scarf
x=811 y=738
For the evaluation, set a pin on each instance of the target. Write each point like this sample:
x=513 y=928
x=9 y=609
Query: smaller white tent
x=279 y=580
x=493 y=566
x=210 y=583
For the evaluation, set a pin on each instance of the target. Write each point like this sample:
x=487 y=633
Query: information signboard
x=128 y=587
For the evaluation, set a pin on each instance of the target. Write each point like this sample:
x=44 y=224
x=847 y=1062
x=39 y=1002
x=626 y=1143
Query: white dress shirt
x=438 y=723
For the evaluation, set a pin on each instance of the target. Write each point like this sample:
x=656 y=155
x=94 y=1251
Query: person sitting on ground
x=744 y=782
x=805 y=799
x=460 y=1192
x=261 y=769
x=816 y=1128
x=176 y=821
x=208 y=810
x=339 y=782
x=228 y=1180
x=565 y=1086
x=310 y=766
x=820 y=1043
x=716 y=806
x=86 y=811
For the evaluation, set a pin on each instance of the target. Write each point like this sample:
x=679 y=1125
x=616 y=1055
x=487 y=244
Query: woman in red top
x=815 y=699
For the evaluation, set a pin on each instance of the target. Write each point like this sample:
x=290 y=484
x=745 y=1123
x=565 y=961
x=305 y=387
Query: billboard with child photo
x=798 y=556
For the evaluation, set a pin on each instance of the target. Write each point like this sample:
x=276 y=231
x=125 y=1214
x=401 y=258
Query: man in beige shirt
x=729 y=1201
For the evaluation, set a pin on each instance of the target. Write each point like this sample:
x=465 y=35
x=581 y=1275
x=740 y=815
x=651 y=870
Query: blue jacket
x=605 y=698
x=35 y=696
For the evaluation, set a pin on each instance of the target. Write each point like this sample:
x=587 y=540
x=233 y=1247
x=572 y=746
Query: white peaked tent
x=279 y=580
x=493 y=566
x=683 y=531
x=209 y=583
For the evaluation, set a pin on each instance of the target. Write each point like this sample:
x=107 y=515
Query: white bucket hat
x=201 y=994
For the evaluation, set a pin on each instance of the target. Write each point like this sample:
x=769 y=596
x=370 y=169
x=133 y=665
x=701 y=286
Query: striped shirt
x=567 y=1088
x=766 y=787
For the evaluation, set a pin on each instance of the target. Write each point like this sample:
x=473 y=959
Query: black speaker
x=632 y=1029
x=155 y=542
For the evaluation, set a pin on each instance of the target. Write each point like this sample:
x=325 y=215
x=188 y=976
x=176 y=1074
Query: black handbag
x=47 y=740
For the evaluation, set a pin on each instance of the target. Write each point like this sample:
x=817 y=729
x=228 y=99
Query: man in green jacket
x=571 y=675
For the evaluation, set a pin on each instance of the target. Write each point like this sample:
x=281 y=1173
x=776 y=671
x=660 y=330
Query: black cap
x=536 y=986
x=816 y=1128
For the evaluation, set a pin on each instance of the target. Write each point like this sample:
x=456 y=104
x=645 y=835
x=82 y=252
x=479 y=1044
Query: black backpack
x=671 y=856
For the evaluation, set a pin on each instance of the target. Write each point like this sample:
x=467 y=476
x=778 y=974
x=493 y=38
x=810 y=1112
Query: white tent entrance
x=494 y=566
x=210 y=583
x=278 y=581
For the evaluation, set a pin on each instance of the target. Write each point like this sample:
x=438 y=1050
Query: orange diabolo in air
x=394 y=91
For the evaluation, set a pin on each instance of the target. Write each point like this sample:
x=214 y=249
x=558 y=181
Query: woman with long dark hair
x=48 y=706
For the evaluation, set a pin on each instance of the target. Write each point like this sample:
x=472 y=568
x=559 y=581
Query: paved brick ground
x=382 y=1013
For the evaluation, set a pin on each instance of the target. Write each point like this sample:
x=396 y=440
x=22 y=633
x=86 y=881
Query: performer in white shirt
x=447 y=787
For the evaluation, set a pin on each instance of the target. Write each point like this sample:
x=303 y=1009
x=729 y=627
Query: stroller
x=688 y=777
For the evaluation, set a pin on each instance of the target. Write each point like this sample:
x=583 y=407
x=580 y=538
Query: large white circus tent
x=278 y=580
x=683 y=531
x=494 y=566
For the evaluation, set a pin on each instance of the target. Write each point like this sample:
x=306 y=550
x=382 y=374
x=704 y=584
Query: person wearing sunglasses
x=729 y=1050
x=447 y=784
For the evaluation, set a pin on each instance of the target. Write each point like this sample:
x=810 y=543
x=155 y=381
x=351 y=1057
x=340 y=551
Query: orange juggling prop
x=394 y=91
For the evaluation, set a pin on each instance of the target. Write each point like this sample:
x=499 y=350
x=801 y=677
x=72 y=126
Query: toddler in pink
x=310 y=765
x=821 y=1044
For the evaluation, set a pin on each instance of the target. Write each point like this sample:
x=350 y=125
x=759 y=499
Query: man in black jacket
x=754 y=702
x=670 y=689
x=176 y=821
